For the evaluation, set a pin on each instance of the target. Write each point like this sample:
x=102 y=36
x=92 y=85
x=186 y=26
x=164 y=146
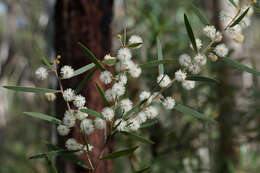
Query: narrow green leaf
x=203 y=79
x=190 y=33
x=187 y=110
x=85 y=80
x=200 y=15
x=82 y=70
x=92 y=113
x=149 y=123
x=29 y=89
x=157 y=63
x=101 y=92
x=240 y=66
x=143 y=170
x=50 y=164
x=44 y=117
x=109 y=61
x=137 y=137
x=233 y=3
x=256 y=10
x=120 y=153
x=134 y=45
x=69 y=156
x=160 y=56
x=52 y=153
x=239 y=18
x=43 y=59
x=91 y=56
x=134 y=109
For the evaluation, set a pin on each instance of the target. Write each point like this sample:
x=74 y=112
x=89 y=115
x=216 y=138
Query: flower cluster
x=227 y=17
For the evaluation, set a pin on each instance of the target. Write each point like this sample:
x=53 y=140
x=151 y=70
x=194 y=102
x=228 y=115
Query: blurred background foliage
x=183 y=144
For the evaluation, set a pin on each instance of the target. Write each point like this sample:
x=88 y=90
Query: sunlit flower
x=87 y=126
x=200 y=59
x=120 y=124
x=71 y=144
x=151 y=112
x=41 y=73
x=79 y=101
x=68 y=95
x=106 y=77
x=99 y=123
x=67 y=71
x=180 y=75
x=108 y=113
x=63 y=130
x=144 y=95
x=184 y=60
x=135 y=72
x=134 y=39
x=118 y=89
x=187 y=84
x=221 y=50
x=126 y=105
x=124 y=54
x=169 y=103
x=121 y=78
x=110 y=95
x=198 y=44
x=50 y=96
x=68 y=119
x=210 y=31
x=133 y=124
x=163 y=80
x=194 y=68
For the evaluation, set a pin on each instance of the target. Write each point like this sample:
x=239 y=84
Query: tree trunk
x=227 y=154
x=88 y=22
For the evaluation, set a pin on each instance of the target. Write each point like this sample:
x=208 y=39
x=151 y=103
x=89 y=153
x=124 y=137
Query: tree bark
x=88 y=22
x=227 y=154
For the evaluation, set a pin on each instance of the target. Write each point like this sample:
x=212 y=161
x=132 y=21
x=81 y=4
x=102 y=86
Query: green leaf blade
x=101 y=92
x=240 y=66
x=82 y=70
x=120 y=153
x=134 y=109
x=143 y=170
x=43 y=117
x=156 y=63
x=200 y=15
x=91 y=57
x=137 y=137
x=190 y=33
x=240 y=18
x=203 y=79
x=43 y=59
x=92 y=113
x=187 y=110
x=30 y=89
x=85 y=80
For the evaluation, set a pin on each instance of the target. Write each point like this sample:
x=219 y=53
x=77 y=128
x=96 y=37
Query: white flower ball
x=63 y=130
x=108 y=113
x=118 y=89
x=124 y=54
x=144 y=95
x=79 y=101
x=194 y=68
x=180 y=75
x=41 y=73
x=200 y=59
x=188 y=84
x=106 y=77
x=68 y=95
x=151 y=112
x=134 y=39
x=163 y=80
x=86 y=126
x=126 y=105
x=184 y=60
x=67 y=71
x=169 y=103
x=69 y=120
x=110 y=95
x=221 y=50
x=99 y=123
